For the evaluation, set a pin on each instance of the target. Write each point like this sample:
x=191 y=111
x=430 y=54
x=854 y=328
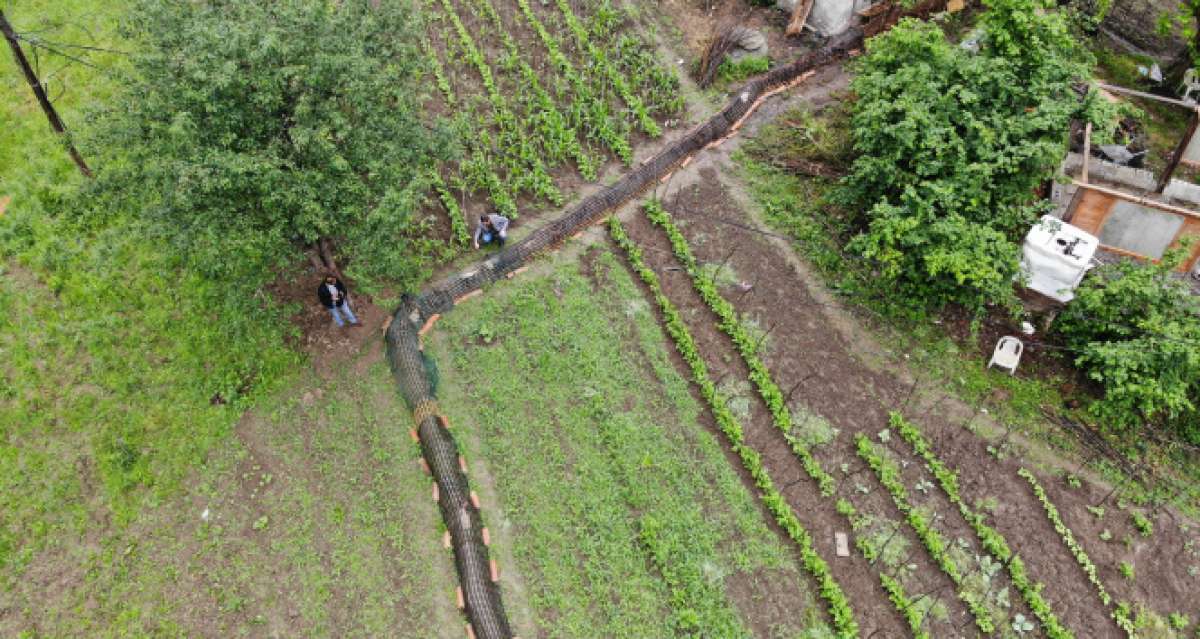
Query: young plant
x=991 y=539
x=1119 y=615
x=835 y=598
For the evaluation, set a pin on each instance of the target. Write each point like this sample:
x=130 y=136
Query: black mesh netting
x=415 y=377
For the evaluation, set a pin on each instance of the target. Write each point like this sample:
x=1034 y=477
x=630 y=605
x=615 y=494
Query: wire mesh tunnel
x=481 y=595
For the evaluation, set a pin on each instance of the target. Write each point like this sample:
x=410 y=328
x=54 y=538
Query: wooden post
x=1178 y=155
x=40 y=92
x=799 y=18
x=1087 y=151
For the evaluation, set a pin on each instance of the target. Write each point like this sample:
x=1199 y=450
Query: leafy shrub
x=247 y=129
x=1137 y=329
x=951 y=146
x=735 y=70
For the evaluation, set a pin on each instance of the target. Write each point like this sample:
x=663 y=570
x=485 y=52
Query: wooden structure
x=1136 y=224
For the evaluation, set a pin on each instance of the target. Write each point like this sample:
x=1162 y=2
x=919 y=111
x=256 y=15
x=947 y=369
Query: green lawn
x=319 y=519
x=623 y=515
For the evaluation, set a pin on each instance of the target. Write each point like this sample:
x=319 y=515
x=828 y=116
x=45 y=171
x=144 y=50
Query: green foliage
x=627 y=483
x=747 y=344
x=1126 y=570
x=991 y=539
x=738 y=70
x=1137 y=329
x=246 y=129
x=952 y=145
x=1142 y=523
x=888 y=473
x=835 y=598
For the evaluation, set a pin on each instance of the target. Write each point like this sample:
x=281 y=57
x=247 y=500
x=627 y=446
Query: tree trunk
x=325 y=250
x=40 y=92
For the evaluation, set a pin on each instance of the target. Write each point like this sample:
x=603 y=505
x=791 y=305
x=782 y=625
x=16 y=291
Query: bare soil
x=805 y=346
x=816 y=512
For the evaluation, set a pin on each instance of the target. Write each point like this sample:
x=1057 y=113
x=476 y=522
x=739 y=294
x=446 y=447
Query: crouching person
x=492 y=228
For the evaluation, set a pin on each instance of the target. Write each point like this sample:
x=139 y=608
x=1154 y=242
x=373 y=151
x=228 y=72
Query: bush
x=1136 y=328
x=952 y=146
x=246 y=130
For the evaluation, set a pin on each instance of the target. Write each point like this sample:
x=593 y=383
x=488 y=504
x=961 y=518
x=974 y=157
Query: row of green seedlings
x=475 y=172
x=747 y=345
x=1120 y=612
x=839 y=606
x=523 y=155
x=991 y=539
x=601 y=60
x=657 y=85
x=557 y=134
x=888 y=474
x=589 y=109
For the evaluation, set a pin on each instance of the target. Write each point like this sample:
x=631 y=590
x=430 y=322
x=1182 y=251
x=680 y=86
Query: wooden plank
x=799 y=18
x=1148 y=96
x=1128 y=197
x=1092 y=210
x=1073 y=205
x=1175 y=157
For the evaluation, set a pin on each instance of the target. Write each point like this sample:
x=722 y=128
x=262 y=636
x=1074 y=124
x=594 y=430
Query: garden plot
x=543 y=96
x=613 y=509
x=803 y=345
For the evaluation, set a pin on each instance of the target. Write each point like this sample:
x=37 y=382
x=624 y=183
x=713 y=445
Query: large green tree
x=952 y=145
x=249 y=129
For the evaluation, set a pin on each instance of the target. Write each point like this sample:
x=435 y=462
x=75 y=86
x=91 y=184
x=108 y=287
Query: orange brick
x=468 y=296
x=474 y=499
x=429 y=323
x=487 y=539
x=459 y=596
x=436 y=496
x=495 y=570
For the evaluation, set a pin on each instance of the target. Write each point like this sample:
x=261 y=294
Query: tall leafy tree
x=249 y=129
x=952 y=145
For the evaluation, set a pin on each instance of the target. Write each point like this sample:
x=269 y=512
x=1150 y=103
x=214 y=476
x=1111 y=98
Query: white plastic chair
x=1007 y=354
x=1190 y=83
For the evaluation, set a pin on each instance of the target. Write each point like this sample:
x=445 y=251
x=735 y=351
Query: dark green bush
x=952 y=145
x=1136 y=328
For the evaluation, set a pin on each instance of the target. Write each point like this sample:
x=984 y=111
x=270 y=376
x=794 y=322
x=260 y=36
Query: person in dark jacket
x=332 y=294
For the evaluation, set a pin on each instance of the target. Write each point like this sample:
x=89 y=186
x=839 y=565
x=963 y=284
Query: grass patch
x=316 y=521
x=626 y=519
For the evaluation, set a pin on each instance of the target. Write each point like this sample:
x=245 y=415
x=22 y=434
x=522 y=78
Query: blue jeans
x=344 y=309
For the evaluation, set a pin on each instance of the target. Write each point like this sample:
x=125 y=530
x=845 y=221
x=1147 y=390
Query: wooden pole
x=799 y=18
x=39 y=91
x=1178 y=155
x=1087 y=151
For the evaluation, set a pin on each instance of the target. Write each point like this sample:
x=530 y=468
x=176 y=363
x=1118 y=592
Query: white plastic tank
x=1056 y=256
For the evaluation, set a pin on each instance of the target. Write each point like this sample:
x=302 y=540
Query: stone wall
x=1134 y=24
